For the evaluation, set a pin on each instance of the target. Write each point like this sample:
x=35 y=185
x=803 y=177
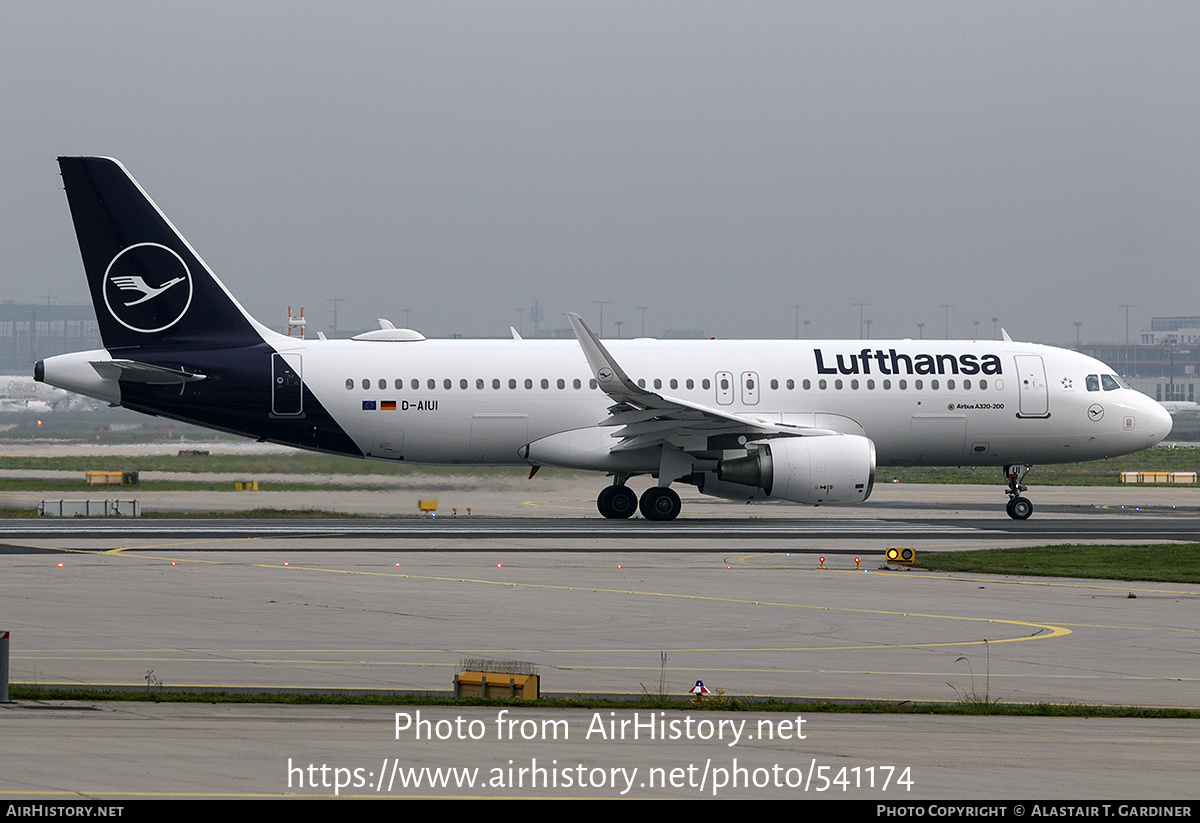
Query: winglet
x=515 y=334
x=1007 y=339
x=611 y=378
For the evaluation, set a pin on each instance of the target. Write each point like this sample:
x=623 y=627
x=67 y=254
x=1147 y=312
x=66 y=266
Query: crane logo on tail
x=147 y=287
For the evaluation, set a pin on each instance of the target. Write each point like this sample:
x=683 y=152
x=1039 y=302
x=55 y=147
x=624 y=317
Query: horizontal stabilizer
x=133 y=372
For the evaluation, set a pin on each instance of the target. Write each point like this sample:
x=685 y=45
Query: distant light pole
x=805 y=329
x=947 y=307
x=536 y=315
x=1078 y=323
x=975 y=323
x=920 y=331
x=618 y=323
x=520 y=319
x=335 y=301
x=642 y=309
x=995 y=320
x=601 y=303
x=860 y=318
x=868 y=322
x=1127 y=307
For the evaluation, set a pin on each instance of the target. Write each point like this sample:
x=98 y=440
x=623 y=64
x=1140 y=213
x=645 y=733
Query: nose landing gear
x=1018 y=508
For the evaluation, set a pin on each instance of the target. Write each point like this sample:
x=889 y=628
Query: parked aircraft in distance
x=1181 y=408
x=803 y=421
x=19 y=393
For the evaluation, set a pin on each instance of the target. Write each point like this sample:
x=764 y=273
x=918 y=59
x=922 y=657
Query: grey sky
x=715 y=162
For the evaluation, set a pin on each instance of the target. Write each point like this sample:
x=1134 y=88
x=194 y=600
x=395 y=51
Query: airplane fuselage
x=946 y=403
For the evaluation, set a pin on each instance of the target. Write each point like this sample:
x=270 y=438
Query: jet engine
x=829 y=469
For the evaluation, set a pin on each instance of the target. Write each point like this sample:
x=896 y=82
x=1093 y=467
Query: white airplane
x=19 y=393
x=804 y=421
x=1176 y=408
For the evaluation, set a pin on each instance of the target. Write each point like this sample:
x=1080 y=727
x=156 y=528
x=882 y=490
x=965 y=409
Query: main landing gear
x=618 y=501
x=1018 y=508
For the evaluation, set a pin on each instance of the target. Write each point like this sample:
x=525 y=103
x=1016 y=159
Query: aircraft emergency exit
x=803 y=421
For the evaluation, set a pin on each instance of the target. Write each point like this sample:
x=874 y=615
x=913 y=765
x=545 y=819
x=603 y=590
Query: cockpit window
x=1093 y=382
x=1109 y=382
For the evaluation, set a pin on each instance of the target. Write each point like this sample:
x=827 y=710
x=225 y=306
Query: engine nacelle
x=829 y=469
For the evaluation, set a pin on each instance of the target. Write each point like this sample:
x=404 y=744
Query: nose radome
x=1158 y=420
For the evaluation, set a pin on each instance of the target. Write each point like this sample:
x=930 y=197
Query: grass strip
x=1159 y=562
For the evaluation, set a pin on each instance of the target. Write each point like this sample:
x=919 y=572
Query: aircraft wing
x=644 y=418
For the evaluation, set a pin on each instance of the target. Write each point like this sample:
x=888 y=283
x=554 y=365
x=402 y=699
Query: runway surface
x=603 y=608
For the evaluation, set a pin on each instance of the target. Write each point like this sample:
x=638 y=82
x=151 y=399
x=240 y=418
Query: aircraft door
x=287 y=385
x=1034 y=393
x=724 y=386
x=750 y=388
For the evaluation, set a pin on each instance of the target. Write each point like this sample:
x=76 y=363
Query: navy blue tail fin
x=149 y=288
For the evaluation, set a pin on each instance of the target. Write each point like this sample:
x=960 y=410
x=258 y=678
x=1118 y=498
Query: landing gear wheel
x=660 y=504
x=1019 y=508
x=617 y=502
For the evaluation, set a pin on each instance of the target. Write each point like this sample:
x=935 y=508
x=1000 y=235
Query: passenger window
x=870 y=384
x=462 y=383
x=807 y=384
x=592 y=383
x=933 y=384
x=704 y=384
x=478 y=382
x=642 y=382
x=432 y=383
x=495 y=382
x=903 y=384
x=545 y=383
x=528 y=383
x=446 y=384
x=983 y=384
x=562 y=384
x=674 y=384
x=576 y=383
x=382 y=384
x=416 y=384
x=854 y=384
x=399 y=384
x=366 y=383
x=917 y=384
x=887 y=384
x=821 y=383
x=791 y=384
x=512 y=383
x=691 y=384
x=349 y=383
x=966 y=384
x=657 y=383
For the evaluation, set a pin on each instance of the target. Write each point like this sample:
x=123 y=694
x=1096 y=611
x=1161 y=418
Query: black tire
x=1019 y=508
x=617 y=502
x=660 y=504
x=624 y=502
